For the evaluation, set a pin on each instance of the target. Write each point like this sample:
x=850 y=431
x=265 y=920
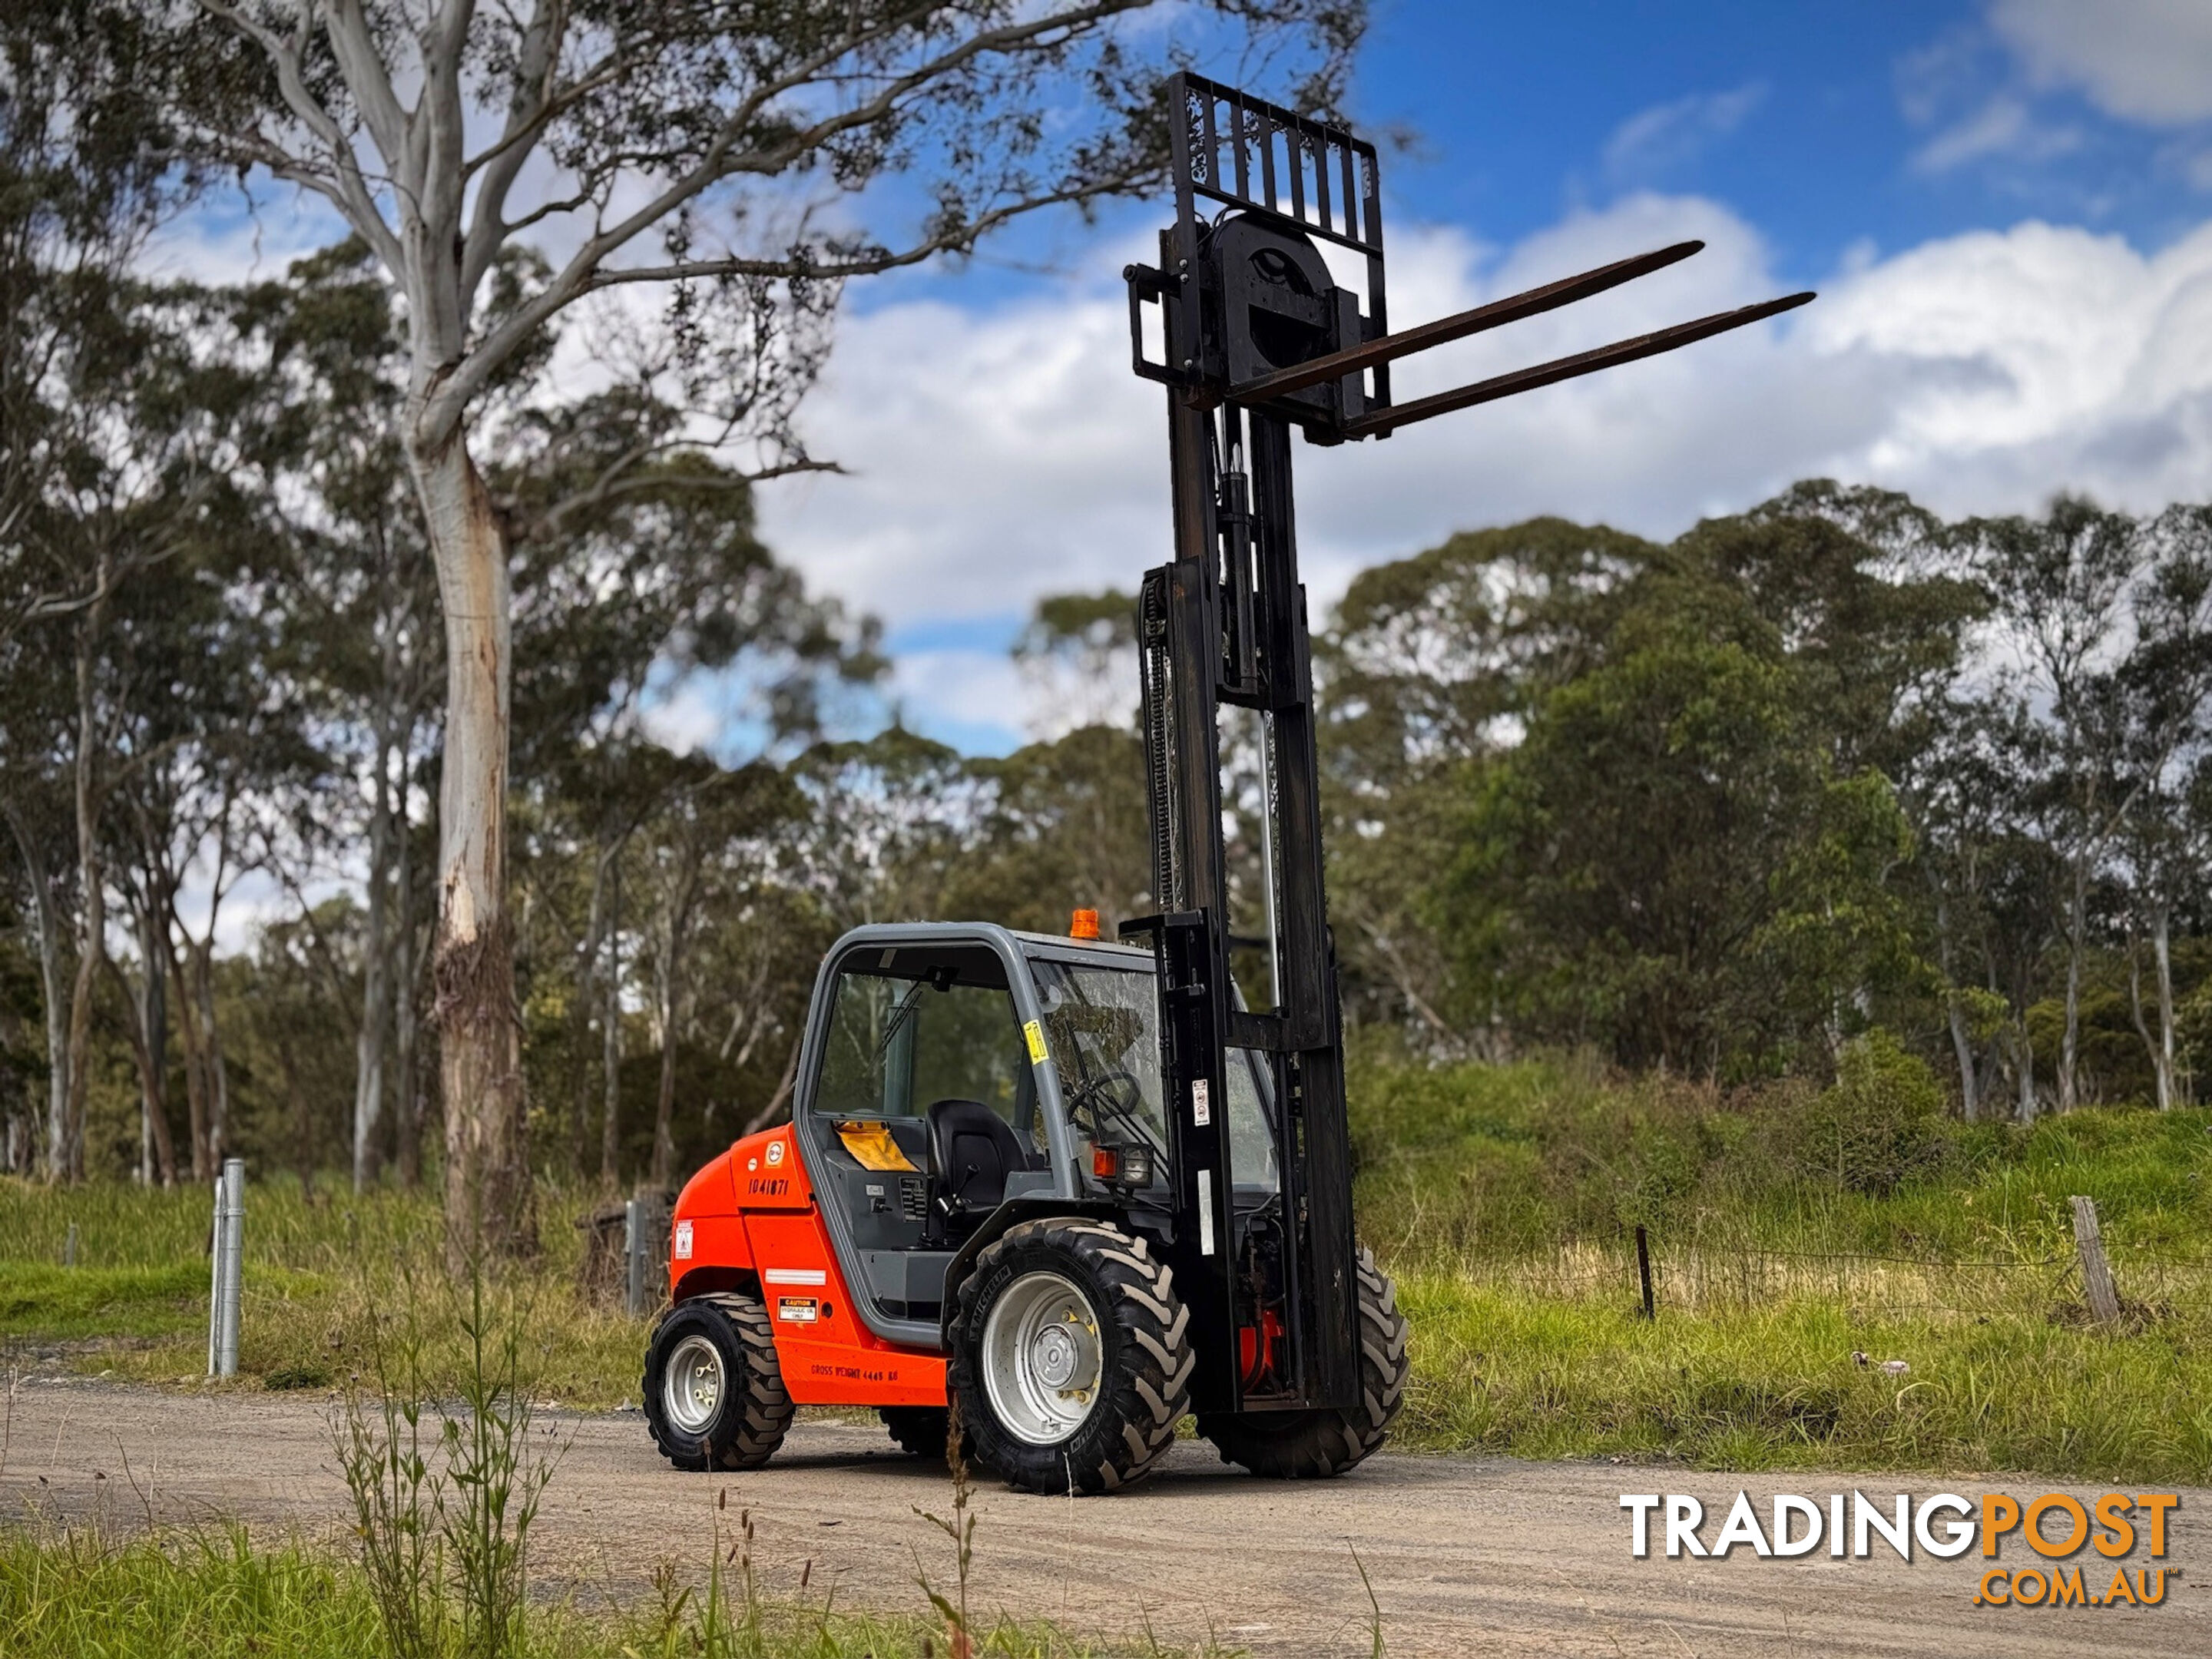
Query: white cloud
x=232 y=244
x=1000 y=456
x=961 y=689
x=1670 y=134
x=996 y=457
x=2002 y=127
x=2141 y=60
x=1007 y=455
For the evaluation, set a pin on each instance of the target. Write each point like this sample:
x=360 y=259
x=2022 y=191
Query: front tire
x=1313 y=1445
x=713 y=1391
x=1071 y=1356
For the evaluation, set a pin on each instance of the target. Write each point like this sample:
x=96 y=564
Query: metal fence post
x=230 y=1252
x=633 y=1258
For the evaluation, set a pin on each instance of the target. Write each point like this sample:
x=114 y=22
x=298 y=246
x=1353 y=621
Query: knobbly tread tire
x=1315 y=1446
x=1145 y=1364
x=755 y=1409
x=920 y=1431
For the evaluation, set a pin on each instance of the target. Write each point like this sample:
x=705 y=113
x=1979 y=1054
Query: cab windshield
x=1102 y=1027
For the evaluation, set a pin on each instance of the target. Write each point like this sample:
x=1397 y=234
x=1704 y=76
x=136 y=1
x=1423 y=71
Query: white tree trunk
x=52 y=981
x=157 y=1150
x=407 y=992
x=376 y=994
x=218 y=1074
x=1962 y=1043
x=671 y=1018
x=2161 y=953
x=610 y=1033
x=65 y=1138
x=588 y=968
x=487 y=1195
x=2077 y=928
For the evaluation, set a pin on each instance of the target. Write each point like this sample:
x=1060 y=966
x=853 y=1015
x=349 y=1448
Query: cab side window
x=895 y=1045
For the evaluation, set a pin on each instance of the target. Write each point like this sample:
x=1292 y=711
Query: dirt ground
x=1466 y=1555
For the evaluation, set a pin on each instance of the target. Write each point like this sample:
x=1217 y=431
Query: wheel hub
x=1042 y=1358
x=691 y=1385
x=1054 y=1354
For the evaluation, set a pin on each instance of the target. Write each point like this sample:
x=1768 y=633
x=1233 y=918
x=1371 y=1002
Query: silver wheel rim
x=1042 y=1358
x=691 y=1385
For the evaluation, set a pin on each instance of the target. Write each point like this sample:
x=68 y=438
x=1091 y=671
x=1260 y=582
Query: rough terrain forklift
x=1081 y=1188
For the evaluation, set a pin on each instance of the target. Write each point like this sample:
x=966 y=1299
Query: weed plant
x=216 y=1595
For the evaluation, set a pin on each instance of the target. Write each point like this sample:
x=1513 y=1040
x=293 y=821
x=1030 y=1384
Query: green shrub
x=1882 y=1123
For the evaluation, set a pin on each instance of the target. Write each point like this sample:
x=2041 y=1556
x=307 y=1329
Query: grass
x=1789 y=1236
x=217 y=1594
x=1503 y=1200
x=315 y=1267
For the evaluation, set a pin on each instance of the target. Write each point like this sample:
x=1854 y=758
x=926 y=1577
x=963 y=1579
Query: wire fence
x=1705 y=1271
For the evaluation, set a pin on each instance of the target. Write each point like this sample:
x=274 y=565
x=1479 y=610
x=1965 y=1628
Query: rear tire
x=713 y=1392
x=920 y=1431
x=1313 y=1445
x=1071 y=1356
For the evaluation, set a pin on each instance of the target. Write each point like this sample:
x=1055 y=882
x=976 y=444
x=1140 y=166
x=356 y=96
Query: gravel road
x=1466 y=1555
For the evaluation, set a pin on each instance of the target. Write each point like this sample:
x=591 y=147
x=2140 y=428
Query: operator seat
x=972 y=1150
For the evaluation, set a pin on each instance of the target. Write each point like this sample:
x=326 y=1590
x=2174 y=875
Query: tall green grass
x=317 y=1266
x=1801 y=1239
x=1791 y=1227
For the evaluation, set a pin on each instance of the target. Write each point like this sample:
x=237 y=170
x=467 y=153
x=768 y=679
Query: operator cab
x=951 y=1070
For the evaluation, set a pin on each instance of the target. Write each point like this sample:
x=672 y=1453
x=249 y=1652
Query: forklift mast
x=1258 y=336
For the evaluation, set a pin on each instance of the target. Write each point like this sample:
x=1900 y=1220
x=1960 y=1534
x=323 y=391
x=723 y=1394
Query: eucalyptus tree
x=356 y=642
x=194 y=734
x=641 y=581
x=2161 y=759
x=87 y=175
x=893 y=814
x=744 y=162
x=715 y=835
x=2107 y=624
x=1431 y=662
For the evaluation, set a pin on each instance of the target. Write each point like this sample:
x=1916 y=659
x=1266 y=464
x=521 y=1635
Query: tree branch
x=442 y=415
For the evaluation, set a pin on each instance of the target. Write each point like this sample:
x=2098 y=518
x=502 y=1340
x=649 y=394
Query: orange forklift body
x=748 y=1221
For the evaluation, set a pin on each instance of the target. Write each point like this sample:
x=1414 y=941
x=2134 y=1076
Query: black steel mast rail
x=1495 y=314
x=1383 y=421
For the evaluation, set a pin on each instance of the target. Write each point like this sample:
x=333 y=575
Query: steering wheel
x=1126 y=1112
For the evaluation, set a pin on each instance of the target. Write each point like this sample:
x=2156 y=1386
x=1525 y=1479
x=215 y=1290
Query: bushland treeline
x=1716 y=806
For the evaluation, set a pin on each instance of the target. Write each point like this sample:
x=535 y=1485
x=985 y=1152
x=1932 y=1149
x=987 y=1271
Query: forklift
x=1042 y=1197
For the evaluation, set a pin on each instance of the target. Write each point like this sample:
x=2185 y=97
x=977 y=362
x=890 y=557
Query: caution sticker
x=1034 y=1033
x=800 y=1309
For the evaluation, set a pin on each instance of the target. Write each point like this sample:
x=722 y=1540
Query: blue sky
x=1839 y=129
x=1998 y=198
x=1815 y=120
